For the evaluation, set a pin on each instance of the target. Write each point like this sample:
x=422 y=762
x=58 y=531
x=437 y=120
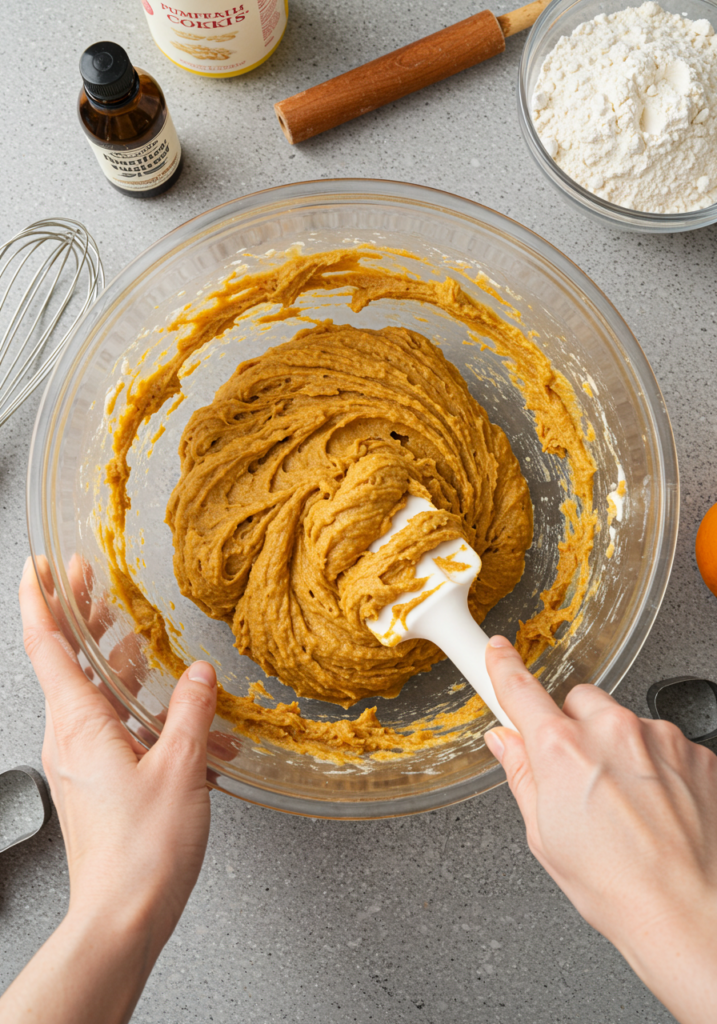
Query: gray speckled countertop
x=444 y=918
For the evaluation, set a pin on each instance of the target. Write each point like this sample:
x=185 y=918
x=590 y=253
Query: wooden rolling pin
x=397 y=74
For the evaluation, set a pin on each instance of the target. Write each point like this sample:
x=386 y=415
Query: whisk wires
x=42 y=269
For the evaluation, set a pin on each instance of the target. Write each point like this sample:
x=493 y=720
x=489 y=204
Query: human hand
x=622 y=813
x=126 y=659
x=135 y=822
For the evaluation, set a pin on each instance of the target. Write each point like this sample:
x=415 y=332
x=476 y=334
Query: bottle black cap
x=106 y=71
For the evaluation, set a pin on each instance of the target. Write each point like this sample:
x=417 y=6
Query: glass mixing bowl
x=560 y=18
x=579 y=330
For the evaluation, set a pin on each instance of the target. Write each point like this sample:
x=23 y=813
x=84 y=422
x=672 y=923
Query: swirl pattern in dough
x=298 y=465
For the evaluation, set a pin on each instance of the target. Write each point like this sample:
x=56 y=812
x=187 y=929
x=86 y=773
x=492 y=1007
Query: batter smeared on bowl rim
x=298 y=465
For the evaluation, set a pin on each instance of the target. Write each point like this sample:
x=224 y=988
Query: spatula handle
x=451 y=627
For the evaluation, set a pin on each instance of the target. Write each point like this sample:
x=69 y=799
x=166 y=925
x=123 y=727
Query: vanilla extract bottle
x=124 y=115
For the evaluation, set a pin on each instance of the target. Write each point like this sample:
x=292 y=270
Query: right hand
x=622 y=813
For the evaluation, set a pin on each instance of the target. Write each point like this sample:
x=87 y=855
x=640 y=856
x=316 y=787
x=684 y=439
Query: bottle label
x=147 y=166
x=220 y=42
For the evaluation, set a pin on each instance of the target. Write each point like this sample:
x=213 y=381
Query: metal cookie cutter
x=25 y=805
x=686 y=701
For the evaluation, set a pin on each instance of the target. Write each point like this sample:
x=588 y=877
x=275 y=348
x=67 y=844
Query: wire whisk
x=41 y=270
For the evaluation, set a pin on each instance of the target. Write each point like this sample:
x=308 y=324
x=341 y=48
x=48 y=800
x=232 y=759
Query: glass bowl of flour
x=618 y=107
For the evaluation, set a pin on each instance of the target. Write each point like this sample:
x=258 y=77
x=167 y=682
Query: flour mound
x=627 y=106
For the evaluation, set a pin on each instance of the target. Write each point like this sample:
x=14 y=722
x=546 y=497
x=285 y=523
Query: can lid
x=107 y=71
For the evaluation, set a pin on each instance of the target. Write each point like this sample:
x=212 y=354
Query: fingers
x=191 y=710
x=52 y=657
x=584 y=701
x=508 y=747
x=520 y=694
x=129 y=662
x=78 y=716
x=47 y=586
x=96 y=614
x=223 y=746
x=80 y=580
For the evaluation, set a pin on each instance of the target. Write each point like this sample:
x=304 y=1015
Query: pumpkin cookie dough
x=298 y=466
x=275 y=475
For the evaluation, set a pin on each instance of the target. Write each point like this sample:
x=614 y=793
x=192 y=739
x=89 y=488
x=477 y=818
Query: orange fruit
x=706 y=549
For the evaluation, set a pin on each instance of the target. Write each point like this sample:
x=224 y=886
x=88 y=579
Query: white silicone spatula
x=442 y=616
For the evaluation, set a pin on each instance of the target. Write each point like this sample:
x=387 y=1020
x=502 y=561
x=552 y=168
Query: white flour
x=627 y=106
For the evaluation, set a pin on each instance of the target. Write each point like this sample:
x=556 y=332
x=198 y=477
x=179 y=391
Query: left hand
x=135 y=822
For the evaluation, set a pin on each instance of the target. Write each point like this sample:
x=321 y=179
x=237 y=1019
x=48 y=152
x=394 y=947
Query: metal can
x=218 y=43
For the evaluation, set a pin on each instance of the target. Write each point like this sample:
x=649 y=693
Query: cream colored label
x=220 y=41
x=144 y=168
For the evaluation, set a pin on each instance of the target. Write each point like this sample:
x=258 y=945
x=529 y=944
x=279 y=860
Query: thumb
x=509 y=748
x=189 y=717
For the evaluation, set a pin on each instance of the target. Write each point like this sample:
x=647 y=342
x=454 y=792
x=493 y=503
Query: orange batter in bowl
x=294 y=469
x=298 y=466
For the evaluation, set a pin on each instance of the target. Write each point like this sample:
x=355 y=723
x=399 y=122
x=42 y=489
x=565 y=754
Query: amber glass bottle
x=125 y=118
